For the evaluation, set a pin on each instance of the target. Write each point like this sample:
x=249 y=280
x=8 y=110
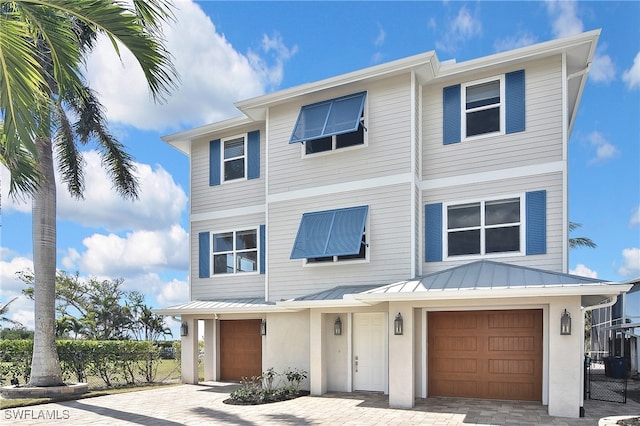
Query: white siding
x=388 y=234
x=552 y=183
x=205 y=198
x=224 y=286
x=387 y=112
x=541 y=142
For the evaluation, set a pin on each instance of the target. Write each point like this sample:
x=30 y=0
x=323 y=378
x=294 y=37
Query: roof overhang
x=182 y=140
x=214 y=307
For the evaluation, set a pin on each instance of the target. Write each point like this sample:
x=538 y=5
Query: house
x=401 y=228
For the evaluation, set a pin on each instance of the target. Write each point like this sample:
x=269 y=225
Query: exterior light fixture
x=184 y=328
x=565 y=324
x=398 y=325
x=263 y=328
x=337 y=327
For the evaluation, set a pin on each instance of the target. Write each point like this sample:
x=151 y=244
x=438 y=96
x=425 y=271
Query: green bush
x=262 y=389
x=114 y=361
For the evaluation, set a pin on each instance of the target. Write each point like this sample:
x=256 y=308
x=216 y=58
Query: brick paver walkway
x=203 y=404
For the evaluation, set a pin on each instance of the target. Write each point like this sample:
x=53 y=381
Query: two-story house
x=401 y=228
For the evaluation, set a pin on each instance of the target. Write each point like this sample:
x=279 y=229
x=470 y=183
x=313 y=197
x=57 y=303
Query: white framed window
x=336 y=142
x=361 y=256
x=234 y=158
x=484 y=227
x=483 y=111
x=235 y=252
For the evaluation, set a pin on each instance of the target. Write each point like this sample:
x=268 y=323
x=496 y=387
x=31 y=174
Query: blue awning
x=330 y=233
x=328 y=118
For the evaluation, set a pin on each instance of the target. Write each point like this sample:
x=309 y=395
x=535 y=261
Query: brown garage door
x=240 y=349
x=486 y=354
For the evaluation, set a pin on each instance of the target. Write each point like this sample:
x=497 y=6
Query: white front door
x=369 y=354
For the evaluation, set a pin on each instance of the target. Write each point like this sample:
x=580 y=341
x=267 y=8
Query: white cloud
x=635 y=218
x=21 y=309
x=604 y=149
x=136 y=253
x=381 y=37
x=11 y=203
x=173 y=293
x=213 y=75
x=515 y=41
x=583 y=271
x=602 y=69
x=160 y=204
x=565 y=18
x=630 y=262
x=632 y=75
x=462 y=28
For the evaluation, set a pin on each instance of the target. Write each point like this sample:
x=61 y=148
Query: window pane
x=484 y=121
x=464 y=216
x=223 y=242
x=223 y=263
x=320 y=259
x=350 y=139
x=311 y=121
x=318 y=145
x=234 y=169
x=246 y=240
x=344 y=114
x=234 y=148
x=502 y=239
x=247 y=261
x=504 y=211
x=362 y=254
x=483 y=94
x=464 y=242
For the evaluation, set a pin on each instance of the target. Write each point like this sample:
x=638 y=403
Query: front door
x=369 y=360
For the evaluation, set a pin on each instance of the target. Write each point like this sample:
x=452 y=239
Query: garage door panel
x=499 y=357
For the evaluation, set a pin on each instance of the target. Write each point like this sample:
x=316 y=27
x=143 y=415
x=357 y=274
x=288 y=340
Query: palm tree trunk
x=45 y=366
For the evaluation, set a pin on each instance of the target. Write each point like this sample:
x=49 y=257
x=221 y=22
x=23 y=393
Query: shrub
x=261 y=389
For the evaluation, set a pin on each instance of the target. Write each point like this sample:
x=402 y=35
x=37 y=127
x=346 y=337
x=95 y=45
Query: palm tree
x=3 y=312
x=45 y=103
x=579 y=241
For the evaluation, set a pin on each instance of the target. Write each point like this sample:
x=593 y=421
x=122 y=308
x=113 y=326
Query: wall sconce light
x=263 y=328
x=337 y=327
x=565 y=324
x=398 y=325
x=184 y=328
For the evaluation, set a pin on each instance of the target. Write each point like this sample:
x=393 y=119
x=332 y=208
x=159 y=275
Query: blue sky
x=230 y=51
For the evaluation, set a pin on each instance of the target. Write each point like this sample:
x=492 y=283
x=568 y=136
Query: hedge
x=113 y=361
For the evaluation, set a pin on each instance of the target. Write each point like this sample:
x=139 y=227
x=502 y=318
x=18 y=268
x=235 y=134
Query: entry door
x=240 y=349
x=369 y=360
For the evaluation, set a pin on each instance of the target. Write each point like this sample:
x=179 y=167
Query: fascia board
x=211 y=311
x=256 y=107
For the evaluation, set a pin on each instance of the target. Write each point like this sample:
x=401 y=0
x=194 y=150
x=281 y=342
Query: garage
x=240 y=349
x=486 y=354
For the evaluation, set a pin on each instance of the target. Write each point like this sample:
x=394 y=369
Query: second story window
x=484 y=227
x=234 y=158
x=235 y=252
x=482 y=108
x=331 y=125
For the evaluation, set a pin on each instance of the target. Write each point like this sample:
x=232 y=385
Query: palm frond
x=71 y=162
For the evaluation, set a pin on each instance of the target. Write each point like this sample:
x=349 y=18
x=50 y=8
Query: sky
x=230 y=51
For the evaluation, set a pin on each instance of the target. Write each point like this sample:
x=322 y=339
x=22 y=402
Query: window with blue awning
x=330 y=233
x=327 y=118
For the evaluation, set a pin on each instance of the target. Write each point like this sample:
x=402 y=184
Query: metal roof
x=485 y=274
x=256 y=304
x=336 y=293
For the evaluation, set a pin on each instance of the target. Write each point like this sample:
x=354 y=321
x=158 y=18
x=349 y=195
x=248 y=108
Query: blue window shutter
x=204 y=255
x=536 y=222
x=214 y=162
x=451 y=104
x=515 y=102
x=327 y=118
x=330 y=233
x=433 y=232
x=263 y=244
x=253 y=152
